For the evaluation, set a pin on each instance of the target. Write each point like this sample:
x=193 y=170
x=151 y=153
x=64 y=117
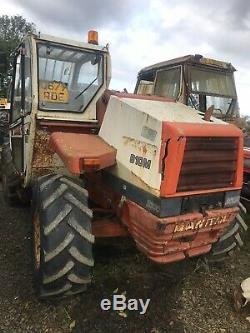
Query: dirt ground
x=186 y=297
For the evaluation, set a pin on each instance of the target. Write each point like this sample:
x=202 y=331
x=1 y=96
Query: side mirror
x=96 y=59
x=3 y=61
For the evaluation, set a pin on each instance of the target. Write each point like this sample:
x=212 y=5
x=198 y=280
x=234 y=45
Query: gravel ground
x=186 y=297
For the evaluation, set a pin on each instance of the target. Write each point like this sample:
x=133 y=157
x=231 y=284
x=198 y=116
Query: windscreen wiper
x=88 y=86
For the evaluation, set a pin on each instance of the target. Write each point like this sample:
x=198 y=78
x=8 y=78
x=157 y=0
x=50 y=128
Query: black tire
x=62 y=251
x=10 y=177
x=231 y=240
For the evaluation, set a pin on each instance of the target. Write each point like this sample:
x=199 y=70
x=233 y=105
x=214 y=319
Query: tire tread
x=231 y=240
x=66 y=239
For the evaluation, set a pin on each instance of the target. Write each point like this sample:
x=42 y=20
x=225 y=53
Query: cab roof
x=196 y=59
x=69 y=42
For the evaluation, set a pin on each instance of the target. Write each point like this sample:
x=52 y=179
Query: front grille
x=208 y=162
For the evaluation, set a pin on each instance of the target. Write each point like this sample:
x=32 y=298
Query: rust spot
x=38 y=172
x=140 y=145
x=44 y=160
x=42 y=155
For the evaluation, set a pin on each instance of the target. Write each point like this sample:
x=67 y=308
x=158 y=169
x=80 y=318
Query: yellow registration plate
x=3 y=101
x=53 y=92
x=202 y=223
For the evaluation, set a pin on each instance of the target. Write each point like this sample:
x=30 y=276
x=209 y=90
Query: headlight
x=232 y=199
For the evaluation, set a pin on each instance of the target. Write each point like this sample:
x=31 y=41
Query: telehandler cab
x=104 y=164
x=194 y=80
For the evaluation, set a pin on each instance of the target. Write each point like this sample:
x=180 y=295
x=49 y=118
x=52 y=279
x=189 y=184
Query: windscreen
x=68 y=78
x=212 y=87
x=212 y=82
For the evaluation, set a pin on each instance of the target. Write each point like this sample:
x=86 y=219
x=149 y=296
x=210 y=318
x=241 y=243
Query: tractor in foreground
x=101 y=164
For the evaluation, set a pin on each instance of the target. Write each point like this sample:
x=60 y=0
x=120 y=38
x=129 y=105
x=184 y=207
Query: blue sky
x=141 y=33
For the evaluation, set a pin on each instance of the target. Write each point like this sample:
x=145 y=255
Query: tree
x=12 y=31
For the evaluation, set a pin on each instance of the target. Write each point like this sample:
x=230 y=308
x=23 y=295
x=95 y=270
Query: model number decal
x=140 y=161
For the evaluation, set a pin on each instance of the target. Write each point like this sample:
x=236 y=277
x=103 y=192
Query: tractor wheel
x=62 y=239
x=231 y=240
x=10 y=178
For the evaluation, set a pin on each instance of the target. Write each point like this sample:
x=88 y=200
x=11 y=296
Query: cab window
x=22 y=67
x=167 y=82
x=16 y=107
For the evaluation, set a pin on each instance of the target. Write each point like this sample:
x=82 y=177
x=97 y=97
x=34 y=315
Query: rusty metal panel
x=44 y=160
x=208 y=163
x=170 y=239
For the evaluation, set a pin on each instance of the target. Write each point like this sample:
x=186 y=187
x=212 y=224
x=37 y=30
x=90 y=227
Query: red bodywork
x=162 y=239
x=170 y=239
x=82 y=151
x=178 y=133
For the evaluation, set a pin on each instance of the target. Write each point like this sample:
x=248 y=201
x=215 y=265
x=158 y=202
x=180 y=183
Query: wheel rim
x=36 y=241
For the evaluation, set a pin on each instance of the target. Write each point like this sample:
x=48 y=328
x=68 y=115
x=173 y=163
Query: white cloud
x=8 y=8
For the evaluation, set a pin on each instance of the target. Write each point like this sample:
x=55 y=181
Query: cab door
x=20 y=106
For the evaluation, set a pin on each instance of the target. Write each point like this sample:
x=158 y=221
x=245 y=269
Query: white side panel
x=137 y=138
